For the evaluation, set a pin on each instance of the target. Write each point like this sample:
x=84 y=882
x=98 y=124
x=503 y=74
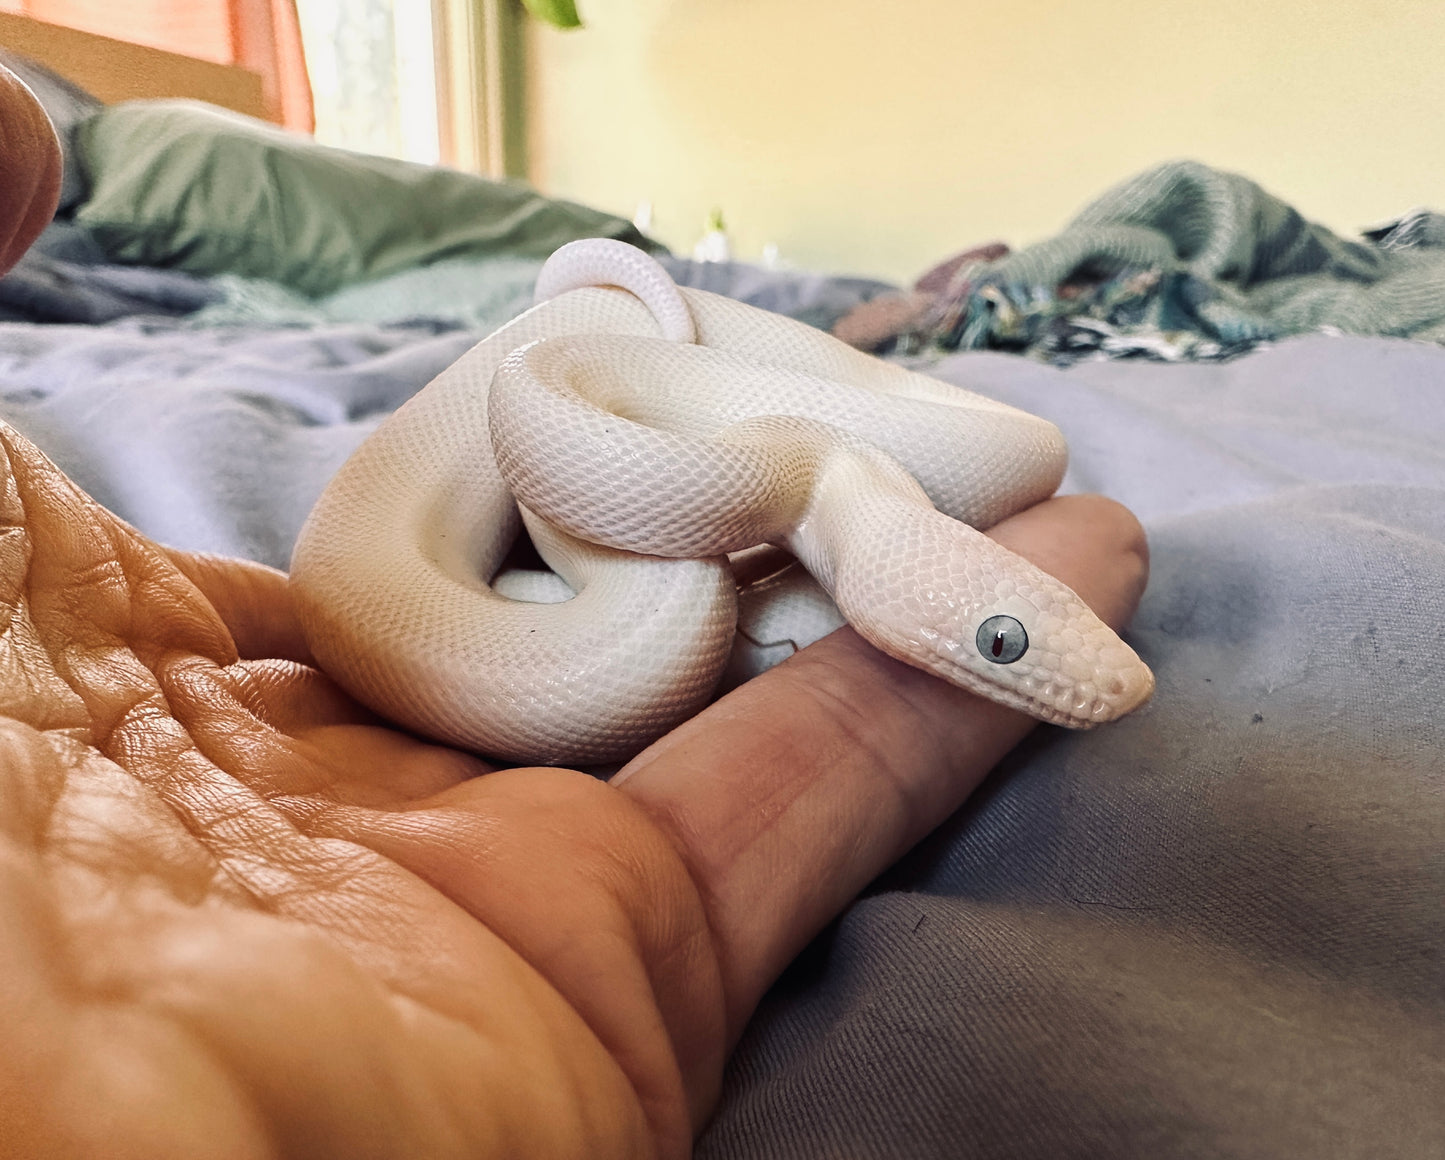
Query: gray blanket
x=1214 y=929
x=65 y=277
x=216 y=440
x=1217 y=927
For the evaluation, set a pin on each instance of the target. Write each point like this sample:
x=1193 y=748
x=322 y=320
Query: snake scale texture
x=646 y=433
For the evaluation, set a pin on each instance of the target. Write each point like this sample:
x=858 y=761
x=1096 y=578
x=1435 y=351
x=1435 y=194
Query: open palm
x=240 y=916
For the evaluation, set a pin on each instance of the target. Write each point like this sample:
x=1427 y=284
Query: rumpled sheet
x=65 y=277
x=1185 y=262
x=216 y=440
x=481 y=294
x=1213 y=929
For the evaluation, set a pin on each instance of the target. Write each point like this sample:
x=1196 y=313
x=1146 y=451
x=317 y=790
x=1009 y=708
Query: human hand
x=241 y=917
x=29 y=169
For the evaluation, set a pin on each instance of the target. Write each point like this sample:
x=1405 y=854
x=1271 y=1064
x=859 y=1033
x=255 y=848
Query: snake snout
x=1128 y=687
x=1092 y=683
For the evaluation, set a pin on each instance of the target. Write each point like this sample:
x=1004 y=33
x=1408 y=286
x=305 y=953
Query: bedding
x=65 y=277
x=1215 y=927
x=1212 y=929
x=183 y=184
x=1182 y=262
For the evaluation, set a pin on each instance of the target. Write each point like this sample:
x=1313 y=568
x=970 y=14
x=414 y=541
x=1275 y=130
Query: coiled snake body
x=643 y=432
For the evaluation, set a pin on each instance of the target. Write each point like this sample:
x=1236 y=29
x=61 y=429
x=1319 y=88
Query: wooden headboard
x=116 y=71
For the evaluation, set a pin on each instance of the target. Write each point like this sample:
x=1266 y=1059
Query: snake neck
x=854 y=486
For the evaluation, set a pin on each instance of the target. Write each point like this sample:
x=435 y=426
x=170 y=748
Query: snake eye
x=1002 y=640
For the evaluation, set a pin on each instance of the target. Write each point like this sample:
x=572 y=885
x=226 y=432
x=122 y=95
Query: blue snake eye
x=1002 y=640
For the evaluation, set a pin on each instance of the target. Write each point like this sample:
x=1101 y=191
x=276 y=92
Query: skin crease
x=242 y=917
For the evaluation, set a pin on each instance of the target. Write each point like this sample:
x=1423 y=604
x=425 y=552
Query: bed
x=1215 y=928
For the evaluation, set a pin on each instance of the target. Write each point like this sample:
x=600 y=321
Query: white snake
x=629 y=416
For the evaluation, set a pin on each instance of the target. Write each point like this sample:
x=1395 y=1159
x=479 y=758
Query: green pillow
x=189 y=185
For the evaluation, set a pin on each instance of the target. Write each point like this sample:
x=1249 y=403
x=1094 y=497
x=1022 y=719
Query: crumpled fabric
x=1212 y=930
x=65 y=278
x=1185 y=262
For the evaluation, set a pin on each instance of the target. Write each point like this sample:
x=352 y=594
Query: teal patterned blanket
x=1188 y=262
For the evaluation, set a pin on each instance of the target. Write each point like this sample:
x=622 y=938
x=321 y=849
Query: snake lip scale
x=643 y=432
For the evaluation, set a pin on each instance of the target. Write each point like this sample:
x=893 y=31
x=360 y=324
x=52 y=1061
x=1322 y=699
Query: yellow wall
x=877 y=136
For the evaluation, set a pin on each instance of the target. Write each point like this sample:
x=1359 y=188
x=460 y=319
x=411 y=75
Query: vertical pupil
x=1001 y=639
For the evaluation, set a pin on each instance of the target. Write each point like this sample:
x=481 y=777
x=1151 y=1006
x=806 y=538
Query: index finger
x=787 y=797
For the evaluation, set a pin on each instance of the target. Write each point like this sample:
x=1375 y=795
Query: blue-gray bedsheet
x=1215 y=928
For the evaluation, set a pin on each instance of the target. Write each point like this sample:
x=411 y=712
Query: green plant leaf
x=562 y=13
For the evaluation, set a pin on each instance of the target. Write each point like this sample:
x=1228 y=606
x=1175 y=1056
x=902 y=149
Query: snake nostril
x=1002 y=640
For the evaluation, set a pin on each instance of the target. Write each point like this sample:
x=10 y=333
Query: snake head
x=985 y=619
x=1039 y=648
